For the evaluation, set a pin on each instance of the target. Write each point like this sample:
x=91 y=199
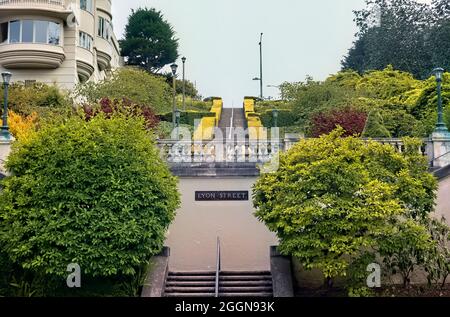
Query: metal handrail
x=437 y=158
x=218 y=267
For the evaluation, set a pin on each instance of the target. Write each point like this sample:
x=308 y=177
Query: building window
x=53 y=33
x=86 y=41
x=4 y=29
x=87 y=5
x=27 y=31
x=104 y=28
x=41 y=31
x=14 y=31
x=30 y=31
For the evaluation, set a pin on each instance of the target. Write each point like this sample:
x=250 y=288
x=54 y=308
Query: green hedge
x=187 y=117
x=94 y=193
x=262 y=106
x=285 y=118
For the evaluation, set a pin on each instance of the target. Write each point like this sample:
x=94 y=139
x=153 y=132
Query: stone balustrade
x=261 y=151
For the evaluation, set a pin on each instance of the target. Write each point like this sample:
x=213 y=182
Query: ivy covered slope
x=130 y=83
x=333 y=197
x=406 y=106
x=93 y=193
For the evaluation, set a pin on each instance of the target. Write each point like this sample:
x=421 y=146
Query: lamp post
x=184 y=83
x=275 y=117
x=261 y=67
x=5 y=129
x=440 y=126
x=178 y=116
x=174 y=68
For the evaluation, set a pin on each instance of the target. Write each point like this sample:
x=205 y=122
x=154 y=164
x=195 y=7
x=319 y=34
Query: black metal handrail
x=218 y=267
x=438 y=158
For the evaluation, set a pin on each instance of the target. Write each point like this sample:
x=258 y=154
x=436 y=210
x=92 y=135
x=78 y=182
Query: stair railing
x=218 y=267
x=432 y=163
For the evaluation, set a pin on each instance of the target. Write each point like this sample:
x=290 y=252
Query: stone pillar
x=290 y=139
x=5 y=149
x=280 y=267
x=439 y=150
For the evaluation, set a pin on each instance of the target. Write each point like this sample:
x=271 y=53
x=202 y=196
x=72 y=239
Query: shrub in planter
x=93 y=193
x=332 y=197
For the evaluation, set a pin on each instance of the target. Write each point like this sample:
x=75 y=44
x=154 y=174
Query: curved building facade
x=62 y=42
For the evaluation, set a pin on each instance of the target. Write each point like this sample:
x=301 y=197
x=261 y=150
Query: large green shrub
x=407 y=105
x=130 y=83
x=375 y=126
x=37 y=97
x=94 y=193
x=332 y=197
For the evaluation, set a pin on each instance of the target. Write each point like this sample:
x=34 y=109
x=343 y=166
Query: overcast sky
x=220 y=40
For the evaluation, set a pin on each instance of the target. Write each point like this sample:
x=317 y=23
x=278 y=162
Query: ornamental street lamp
x=184 y=83
x=174 y=68
x=440 y=126
x=275 y=114
x=5 y=129
x=178 y=116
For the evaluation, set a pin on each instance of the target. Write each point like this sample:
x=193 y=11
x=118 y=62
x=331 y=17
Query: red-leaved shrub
x=350 y=119
x=125 y=106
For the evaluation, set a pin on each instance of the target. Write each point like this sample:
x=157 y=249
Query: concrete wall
x=443 y=199
x=192 y=237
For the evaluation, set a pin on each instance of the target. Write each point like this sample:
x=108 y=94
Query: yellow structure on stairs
x=255 y=127
x=206 y=129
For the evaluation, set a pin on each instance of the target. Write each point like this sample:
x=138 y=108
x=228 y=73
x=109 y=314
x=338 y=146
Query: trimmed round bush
x=93 y=193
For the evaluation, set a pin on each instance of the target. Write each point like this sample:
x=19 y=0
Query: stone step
x=190 y=283
x=190 y=289
x=237 y=273
x=193 y=273
x=190 y=278
x=245 y=278
x=245 y=283
x=246 y=289
x=246 y=294
x=190 y=295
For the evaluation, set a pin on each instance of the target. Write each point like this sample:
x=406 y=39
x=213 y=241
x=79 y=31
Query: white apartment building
x=62 y=42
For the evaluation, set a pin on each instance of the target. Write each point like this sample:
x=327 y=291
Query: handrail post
x=218 y=267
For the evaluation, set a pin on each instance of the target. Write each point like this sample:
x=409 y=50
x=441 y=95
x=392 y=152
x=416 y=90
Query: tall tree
x=392 y=32
x=149 y=41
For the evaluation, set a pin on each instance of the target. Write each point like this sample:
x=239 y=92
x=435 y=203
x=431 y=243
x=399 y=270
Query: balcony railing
x=53 y=4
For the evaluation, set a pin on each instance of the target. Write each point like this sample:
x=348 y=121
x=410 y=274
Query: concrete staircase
x=245 y=284
x=231 y=284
